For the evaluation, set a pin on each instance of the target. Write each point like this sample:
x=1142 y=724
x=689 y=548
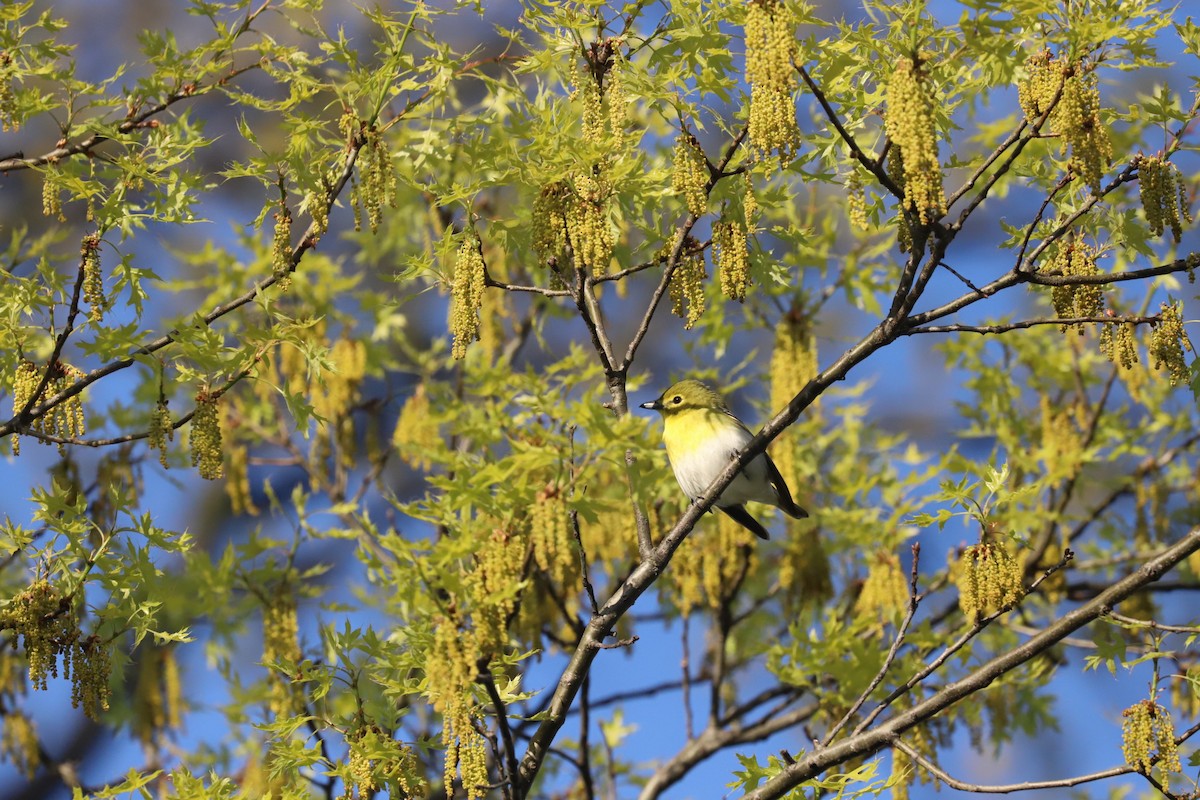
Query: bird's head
x=687 y=395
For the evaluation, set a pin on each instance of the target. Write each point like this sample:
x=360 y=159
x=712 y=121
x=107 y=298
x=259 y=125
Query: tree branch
x=872 y=741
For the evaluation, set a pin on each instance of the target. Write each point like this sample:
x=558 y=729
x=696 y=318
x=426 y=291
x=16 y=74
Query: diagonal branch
x=872 y=741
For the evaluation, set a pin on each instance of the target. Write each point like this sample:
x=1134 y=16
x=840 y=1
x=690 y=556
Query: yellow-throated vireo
x=702 y=436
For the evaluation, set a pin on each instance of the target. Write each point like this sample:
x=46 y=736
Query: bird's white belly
x=696 y=467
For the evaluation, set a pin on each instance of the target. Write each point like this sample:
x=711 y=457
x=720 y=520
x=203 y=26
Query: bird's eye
x=676 y=399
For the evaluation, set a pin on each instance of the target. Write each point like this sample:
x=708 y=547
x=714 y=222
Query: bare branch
x=1030 y=323
x=872 y=741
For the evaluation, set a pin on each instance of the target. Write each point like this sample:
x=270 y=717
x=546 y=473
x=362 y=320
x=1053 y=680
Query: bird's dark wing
x=742 y=517
x=786 y=503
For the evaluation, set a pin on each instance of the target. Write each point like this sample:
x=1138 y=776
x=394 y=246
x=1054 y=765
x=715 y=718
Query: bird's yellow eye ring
x=676 y=399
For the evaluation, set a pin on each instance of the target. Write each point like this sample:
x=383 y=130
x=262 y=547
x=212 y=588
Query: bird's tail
x=788 y=506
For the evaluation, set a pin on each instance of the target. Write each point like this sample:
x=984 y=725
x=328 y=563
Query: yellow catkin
x=1167 y=344
x=93 y=277
x=731 y=254
x=750 y=205
x=911 y=123
x=281 y=647
x=549 y=224
x=988 y=579
x=417 y=435
x=885 y=592
x=498 y=567
x=492 y=335
x=19 y=743
x=377 y=187
x=1038 y=85
x=1118 y=344
x=9 y=115
x=205 y=439
x=66 y=419
x=1076 y=119
x=1073 y=258
x=316 y=203
x=341 y=384
x=237 y=480
x=90 y=669
x=687 y=289
x=690 y=177
x=793 y=365
x=805 y=575
x=725 y=558
x=586 y=91
x=466 y=294
x=1164 y=195
x=588 y=227
x=377 y=761
x=706 y=568
x=450 y=675
x=52 y=197
x=162 y=430
x=1148 y=740
x=281 y=247
x=617 y=96
x=46 y=623
x=1061 y=443
x=771 y=49
x=856 y=202
x=552 y=538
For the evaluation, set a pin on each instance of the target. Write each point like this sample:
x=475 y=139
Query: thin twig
x=914 y=599
x=1031 y=323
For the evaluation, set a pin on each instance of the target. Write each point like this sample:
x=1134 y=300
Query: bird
x=702 y=436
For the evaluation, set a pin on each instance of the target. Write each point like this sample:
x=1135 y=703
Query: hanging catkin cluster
x=8 y=98
x=281 y=246
x=417 y=435
x=19 y=743
x=205 y=438
x=281 y=645
x=43 y=618
x=1164 y=195
x=731 y=254
x=1075 y=259
x=450 y=677
x=378 y=762
x=771 y=50
x=93 y=278
x=1075 y=118
x=1148 y=738
x=498 y=566
x=65 y=419
x=793 y=365
x=551 y=536
x=377 y=187
x=707 y=568
x=1118 y=344
x=550 y=221
x=1039 y=85
x=687 y=286
x=588 y=227
x=466 y=294
x=988 y=579
x=884 y=596
x=690 y=177
x=1167 y=344
x=912 y=127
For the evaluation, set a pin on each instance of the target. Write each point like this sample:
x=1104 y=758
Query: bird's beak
x=653 y=405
